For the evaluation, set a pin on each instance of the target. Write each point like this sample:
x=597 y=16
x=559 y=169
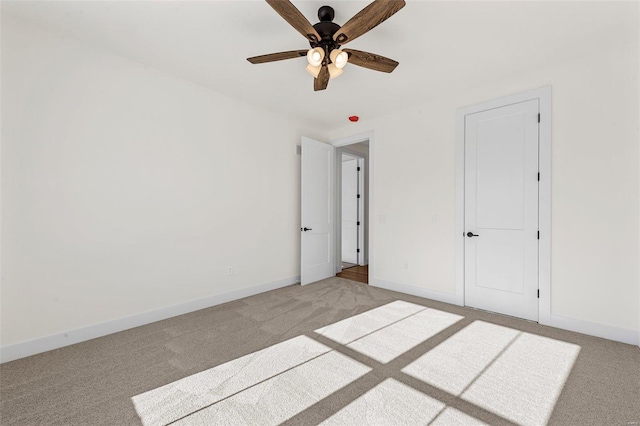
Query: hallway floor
x=355 y=273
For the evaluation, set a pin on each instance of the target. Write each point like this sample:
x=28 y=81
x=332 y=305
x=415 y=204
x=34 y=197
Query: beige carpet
x=335 y=352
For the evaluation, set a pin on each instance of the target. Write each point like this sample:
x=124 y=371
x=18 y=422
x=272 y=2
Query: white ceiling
x=442 y=46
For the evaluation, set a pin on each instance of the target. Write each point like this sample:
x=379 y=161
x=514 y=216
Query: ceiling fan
x=326 y=58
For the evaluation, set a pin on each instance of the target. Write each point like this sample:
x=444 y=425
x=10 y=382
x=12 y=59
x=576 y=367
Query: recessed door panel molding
x=504 y=248
x=500 y=170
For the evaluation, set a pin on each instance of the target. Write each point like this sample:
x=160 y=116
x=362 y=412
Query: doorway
x=353 y=224
x=504 y=205
x=320 y=212
x=352 y=210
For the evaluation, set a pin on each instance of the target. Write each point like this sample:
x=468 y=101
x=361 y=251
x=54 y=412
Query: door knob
x=305 y=229
x=471 y=234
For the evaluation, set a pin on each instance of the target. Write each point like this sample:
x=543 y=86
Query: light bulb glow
x=315 y=56
x=339 y=58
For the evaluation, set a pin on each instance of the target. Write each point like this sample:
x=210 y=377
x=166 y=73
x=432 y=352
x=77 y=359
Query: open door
x=316 y=223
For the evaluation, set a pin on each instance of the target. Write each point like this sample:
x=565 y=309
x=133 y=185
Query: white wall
x=126 y=190
x=595 y=186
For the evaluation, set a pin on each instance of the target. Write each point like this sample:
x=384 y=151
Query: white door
x=317 y=211
x=501 y=210
x=349 y=209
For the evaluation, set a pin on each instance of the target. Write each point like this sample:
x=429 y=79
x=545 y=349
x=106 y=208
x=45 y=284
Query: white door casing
x=501 y=208
x=350 y=209
x=317 y=181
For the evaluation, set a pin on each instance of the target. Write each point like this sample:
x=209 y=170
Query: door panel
x=501 y=208
x=500 y=170
x=500 y=262
x=318 y=249
x=316 y=211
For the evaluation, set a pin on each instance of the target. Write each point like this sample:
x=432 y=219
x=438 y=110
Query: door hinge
x=358 y=168
x=538 y=117
x=357 y=250
x=538 y=176
x=358 y=195
x=358 y=223
x=538 y=294
x=538 y=234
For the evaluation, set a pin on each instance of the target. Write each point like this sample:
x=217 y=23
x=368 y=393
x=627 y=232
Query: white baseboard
x=623 y=335
x=595 y=329
x=59 y=340
x=417 y=291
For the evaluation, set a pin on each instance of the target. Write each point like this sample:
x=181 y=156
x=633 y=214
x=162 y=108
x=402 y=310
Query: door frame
x=543 y=95
x=343 y=143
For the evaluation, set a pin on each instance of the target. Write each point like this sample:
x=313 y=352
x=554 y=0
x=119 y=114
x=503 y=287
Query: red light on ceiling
x=354 y=118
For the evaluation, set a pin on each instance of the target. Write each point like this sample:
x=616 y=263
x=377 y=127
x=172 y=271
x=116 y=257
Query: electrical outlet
x=405 y=266
x=230 y=270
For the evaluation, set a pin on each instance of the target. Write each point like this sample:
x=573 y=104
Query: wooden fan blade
x=371 y=60
x=368 y=18
x=272 y=57
x=322 y=81
x=295 y=18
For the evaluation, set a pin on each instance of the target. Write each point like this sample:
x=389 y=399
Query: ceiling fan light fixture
x=315 y=56
x=339 y=58
x=314 y=71
x=334 y=71
x=325 y=58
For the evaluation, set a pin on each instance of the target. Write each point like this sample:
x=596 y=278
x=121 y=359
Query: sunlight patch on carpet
x=180 y=398
x=392 y=341
x=389 y=403
x=456 y=362
x=516 y=375
x=357 y=326
x=501 y=371
x=524 y=383
x=283 y=396
x=394 y=403
x=387 y=332
x=452 y=417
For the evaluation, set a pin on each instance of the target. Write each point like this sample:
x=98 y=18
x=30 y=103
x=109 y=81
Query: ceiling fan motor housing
x=326 y=28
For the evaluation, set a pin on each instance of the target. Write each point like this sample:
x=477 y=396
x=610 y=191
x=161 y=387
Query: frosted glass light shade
x=334 y=71
x=314 y=71
x=315 y=56
x=339 y=58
